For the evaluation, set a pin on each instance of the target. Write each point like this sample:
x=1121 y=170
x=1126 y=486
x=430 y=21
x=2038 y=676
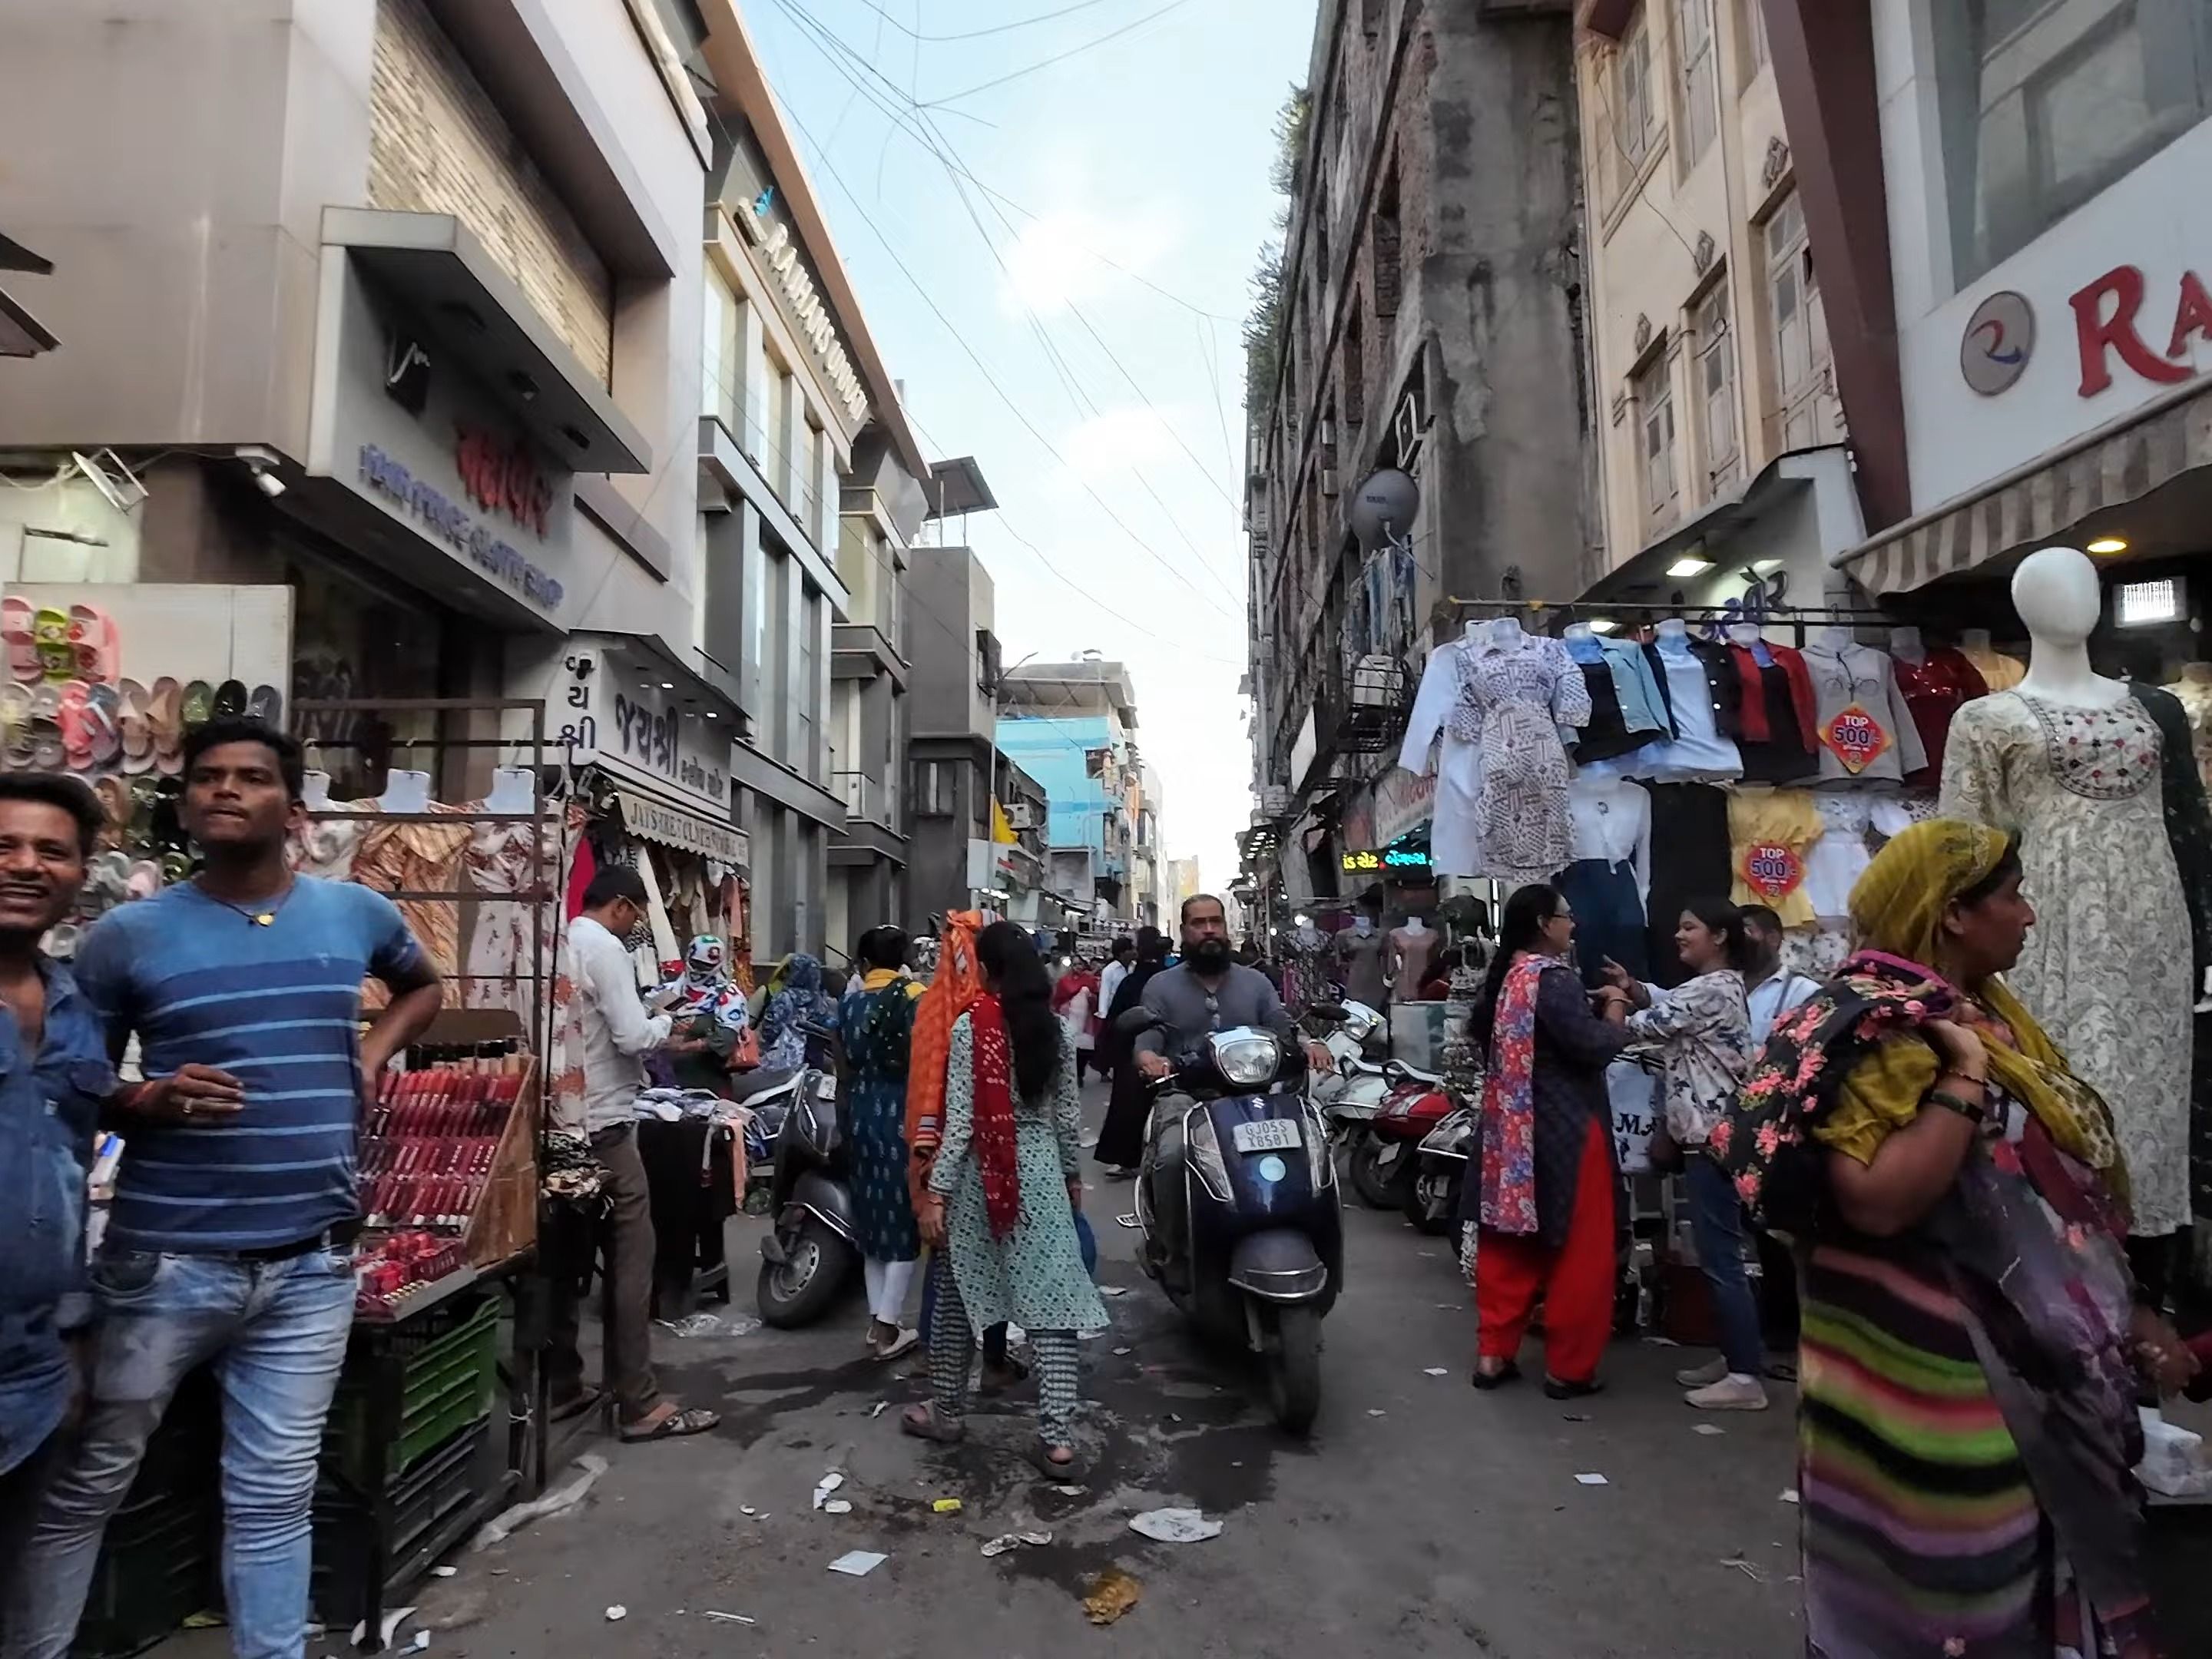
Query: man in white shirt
x=1117 y=970
x=1775 y=990
x=617 y=1032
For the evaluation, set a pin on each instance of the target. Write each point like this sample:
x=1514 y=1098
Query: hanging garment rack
x=1798 y=618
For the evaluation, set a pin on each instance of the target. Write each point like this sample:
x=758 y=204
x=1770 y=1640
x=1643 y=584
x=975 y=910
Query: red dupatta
x=993 y=1141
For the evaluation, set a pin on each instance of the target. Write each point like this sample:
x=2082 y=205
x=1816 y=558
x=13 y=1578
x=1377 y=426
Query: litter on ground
x=1707 y=1428
x=1591 y=1480
x=945 y=1505
x=617 y=1612
x=828 y=1484
x=1790 y=1494
x=521 y=1515
x=1013 y=1540
x=1174 y=1526
x=1109 y=1594
x=858 y=1564
x=1435 y=1370
x=838 y=1506
x=729 y=1618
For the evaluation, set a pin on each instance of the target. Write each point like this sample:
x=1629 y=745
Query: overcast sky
x=1114 y=437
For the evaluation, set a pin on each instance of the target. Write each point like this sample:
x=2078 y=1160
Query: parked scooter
x=1385 y=1161
x=813 y=1252
x=1349 y=1096
x=1440 y=1169
x=1237 y=1203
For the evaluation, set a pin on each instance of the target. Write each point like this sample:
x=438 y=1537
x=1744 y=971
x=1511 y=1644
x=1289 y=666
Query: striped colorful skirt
x=1922 y=1535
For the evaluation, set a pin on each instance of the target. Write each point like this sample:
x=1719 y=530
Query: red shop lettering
x=2105 y=314
x=501 y=477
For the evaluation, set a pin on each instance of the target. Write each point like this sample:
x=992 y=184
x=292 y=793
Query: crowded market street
x=1420 y=1517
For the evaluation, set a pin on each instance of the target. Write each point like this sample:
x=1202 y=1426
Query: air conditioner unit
x=1022 y=815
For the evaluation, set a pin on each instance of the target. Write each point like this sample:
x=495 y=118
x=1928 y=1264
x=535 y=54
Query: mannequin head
x=2055 y=591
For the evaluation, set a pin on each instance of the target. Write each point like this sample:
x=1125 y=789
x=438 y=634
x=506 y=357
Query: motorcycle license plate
x=1274 y=1134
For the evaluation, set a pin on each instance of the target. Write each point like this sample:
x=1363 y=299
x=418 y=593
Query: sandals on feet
x=1509 y=1372
x=925 y=1422
x=1040 y=1459
x=685 y=1419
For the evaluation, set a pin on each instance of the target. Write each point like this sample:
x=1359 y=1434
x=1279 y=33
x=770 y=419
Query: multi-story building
x=1071 y=726
x=1429 y=320
x=1182 y=882
x=811 y=491
x=2018 y=297
x=1720 y=441
x=1145 y=850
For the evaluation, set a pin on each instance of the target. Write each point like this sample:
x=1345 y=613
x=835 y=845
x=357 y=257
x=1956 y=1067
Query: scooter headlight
x=1247 y=1059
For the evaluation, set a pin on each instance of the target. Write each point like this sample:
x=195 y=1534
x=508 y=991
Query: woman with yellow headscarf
x=1971 y=1346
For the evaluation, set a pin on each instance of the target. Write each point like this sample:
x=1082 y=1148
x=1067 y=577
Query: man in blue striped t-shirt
x=231 y=1236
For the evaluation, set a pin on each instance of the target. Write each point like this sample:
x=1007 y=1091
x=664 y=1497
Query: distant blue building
x=1070 y=725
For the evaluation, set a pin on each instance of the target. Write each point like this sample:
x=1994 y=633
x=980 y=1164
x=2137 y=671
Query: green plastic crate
x=451 y=1378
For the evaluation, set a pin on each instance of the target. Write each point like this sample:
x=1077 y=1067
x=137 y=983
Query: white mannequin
x=1415 y=926
x=406 y=791
x=1579 y=630
x=315 y=791
x=1363 y=924
x=1837 y=639
x=2056 y=593
x=1674 y=634
x=513 y=790
x=1906 y=644
x=1743 y=633
x=1504 y=634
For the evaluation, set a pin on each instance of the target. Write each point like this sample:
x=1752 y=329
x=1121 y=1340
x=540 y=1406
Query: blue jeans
x=276 y=1334
x=1716 y=1223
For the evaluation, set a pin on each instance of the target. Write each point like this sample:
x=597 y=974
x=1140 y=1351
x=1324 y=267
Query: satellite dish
x=1382 y=509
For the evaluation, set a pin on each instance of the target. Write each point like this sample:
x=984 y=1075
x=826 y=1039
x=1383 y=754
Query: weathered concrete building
x=1428 y=322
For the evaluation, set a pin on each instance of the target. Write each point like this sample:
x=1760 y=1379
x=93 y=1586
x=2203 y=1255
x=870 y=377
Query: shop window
x=352 y=641
x=1800 y=325
x=1717 y=387
x=2042 y=106
x=1693 y=46
x=1388 y=275
x=936 y=791
x=1654 y=413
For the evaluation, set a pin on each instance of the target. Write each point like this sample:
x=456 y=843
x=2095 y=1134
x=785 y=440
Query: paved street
x=1448 y=1523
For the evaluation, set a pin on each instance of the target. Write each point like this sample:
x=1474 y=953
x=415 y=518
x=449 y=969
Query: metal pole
x=991 y=774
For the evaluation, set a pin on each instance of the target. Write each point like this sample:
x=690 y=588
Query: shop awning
x=2049 y=501
x=671 y=826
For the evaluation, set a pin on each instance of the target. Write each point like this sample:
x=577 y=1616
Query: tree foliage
x=1264 y=322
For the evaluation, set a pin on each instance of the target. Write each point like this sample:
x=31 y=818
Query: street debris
x=1707 y=1428
x=858 y=1564
x=945 y=1505
x=1174 y=1526
x=1014 y=1541
x=1790 y=1494
x=1109 y=1594
x=878 y=1409
x=1072 y=1491
x=824 y=1488
x=727 y=1618
x=709 y=1324
x=1435 y=1370
x=1574 y=1417
x=1377 y=1411
x=521 y=1515
x=443 y=1573
x=1123 y=1350
x=1591 y=1480
x=422 y=1640
x=837 y=1506
x=393 y=1619
x=617 y=1614
x=1745 y=1568
x=746 y=1509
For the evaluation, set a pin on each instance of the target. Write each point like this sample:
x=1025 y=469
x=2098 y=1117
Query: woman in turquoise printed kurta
x=878 y=1022
x=1003 y=1192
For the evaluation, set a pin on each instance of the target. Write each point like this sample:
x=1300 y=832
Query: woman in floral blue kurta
x=876 y=1021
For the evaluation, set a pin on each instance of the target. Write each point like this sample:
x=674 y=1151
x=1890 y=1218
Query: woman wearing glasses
x=1544 y=1205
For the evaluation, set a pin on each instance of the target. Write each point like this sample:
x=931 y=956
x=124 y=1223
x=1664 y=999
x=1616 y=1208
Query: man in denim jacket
x=53 y=1076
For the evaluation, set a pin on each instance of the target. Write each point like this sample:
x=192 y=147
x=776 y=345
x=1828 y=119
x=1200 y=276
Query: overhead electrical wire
x=978 y=34
x=1057 y=57
x=939 y=148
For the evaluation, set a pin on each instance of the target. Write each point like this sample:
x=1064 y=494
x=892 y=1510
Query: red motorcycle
x=1386 y=1162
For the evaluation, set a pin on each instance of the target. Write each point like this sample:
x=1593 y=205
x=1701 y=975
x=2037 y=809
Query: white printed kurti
x=1502 y=779
x=2107 y=967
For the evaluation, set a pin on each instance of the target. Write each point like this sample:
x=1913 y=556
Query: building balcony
x=867 y=800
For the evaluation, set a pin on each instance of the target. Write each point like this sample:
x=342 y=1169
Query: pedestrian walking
x=799 y=1000
x=1547 y=1196
x=1702 y=1027
x=1121 y=1137
x=616 y=1033
x=230 y=1237
x=1077 y=1001
x=1121 y=962
x=1974 y=1336
x=54 y=1079
x=876 y=1021
x=1004 y=1190
x=707 y=1015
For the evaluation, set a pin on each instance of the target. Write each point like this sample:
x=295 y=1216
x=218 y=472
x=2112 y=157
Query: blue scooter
x=1237 y=1203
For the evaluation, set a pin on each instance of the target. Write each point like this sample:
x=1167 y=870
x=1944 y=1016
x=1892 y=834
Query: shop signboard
x=1403 y=802
x=1409 y=863
x=636 y=728
x=406 y=427
x=770 y=228
x=2110 y=308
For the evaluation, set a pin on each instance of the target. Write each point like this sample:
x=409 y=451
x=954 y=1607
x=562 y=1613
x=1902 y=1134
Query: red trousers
x=1575 y=1281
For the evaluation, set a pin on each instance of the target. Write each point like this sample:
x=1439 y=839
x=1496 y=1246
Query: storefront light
x=1690 y=566
x=2107 y=545
x=2142 y=605
x=1602 y=625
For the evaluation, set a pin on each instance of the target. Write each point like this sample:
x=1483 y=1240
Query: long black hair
x=1726 y=920
x=1017 y=976
x=1520 y=926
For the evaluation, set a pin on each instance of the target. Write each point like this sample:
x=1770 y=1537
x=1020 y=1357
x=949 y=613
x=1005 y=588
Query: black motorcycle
x=1237 y=1203
x=813 y=1252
